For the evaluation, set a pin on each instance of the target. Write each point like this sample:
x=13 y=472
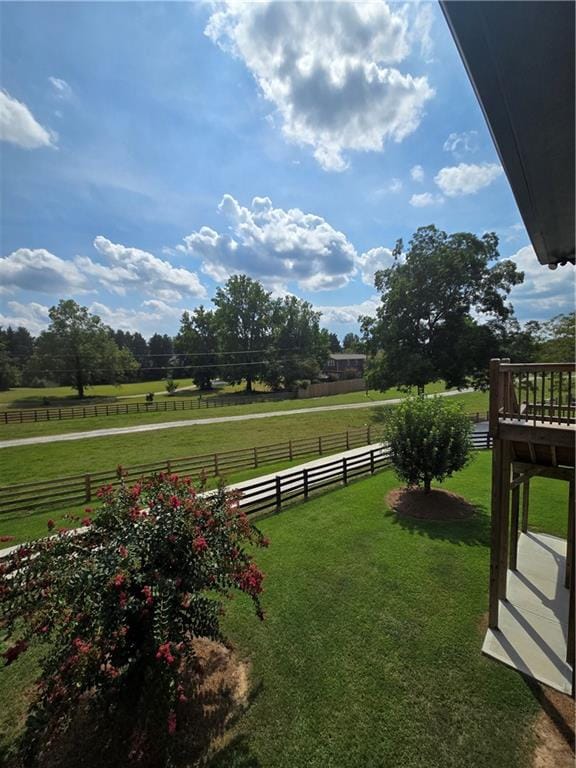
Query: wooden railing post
x=515 y=510
x=278 y=493
x=305 y=483
x=525 y=505
x=372 y=462
x=88 y=487
x=495 y=392
x=344 y=470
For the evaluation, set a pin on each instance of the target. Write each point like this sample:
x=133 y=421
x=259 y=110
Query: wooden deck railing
x=532 y=393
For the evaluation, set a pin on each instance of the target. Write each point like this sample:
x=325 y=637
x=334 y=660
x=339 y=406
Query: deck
x=533 y=620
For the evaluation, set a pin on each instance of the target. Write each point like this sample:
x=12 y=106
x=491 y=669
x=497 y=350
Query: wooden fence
x=27 y=415
x=80 y=489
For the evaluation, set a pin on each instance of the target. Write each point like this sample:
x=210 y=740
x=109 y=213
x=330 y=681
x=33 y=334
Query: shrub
x=119 y=604
x=429 y=439
x=171 y=386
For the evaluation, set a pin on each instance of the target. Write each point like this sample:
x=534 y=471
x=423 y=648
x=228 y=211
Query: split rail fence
x=75 y=490
x=27 y=415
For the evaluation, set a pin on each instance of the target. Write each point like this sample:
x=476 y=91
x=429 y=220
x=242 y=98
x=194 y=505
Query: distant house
x=344 y=364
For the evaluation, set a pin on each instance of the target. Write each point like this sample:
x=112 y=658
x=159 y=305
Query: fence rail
x=28 y=415
x=80 y=489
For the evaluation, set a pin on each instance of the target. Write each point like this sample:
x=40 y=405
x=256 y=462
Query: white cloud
x=425 y=199
x=371 y=261
x=32 y=316
x=274 y=245
x=348 y=313
x=464 y=179
x=61 y=88
x=461 y=144
x=130 y=269
x=544 y=292
x=417 y=173
x=326 y=67
x=151 y=317
x=19 y=126
x=36 y=269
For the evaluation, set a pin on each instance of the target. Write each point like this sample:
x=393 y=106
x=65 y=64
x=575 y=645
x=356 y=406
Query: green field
x=370 y=653
x=475 y=401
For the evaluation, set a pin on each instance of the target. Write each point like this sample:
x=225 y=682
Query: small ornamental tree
x=429 y=439
x=119 y=604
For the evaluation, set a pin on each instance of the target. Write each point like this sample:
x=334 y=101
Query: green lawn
x=474 y=401
x=370 y=653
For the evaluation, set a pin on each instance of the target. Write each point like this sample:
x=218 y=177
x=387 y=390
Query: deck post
x=504 y=519
x=570 y=541
x=496 y=533
x=525 y=505
x=515 y=509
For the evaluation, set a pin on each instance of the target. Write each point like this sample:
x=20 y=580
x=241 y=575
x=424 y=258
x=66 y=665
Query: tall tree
x=298 y=347
x=352 y=343
x=334 y=343
x=197 y=346
x=160 y=352
x=77 y=349
x=9 y=372
x=244 y=319
x=424 y=329
x=557 y=339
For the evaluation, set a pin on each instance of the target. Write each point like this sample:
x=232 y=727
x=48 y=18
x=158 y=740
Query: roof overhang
x=520 y=59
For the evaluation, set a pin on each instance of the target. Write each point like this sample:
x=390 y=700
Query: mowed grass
x=369 y=656
x=30 y=397
x=474 y=401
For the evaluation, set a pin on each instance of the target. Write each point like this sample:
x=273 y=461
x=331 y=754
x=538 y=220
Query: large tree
x=244 y=322
x=424 y=329
x=77 y=349
x=160 y=360
x=557 y=339
x=9 y=372
x=298 y=346
x=197 y=346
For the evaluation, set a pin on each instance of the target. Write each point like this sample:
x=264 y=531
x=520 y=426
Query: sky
x=150 y=150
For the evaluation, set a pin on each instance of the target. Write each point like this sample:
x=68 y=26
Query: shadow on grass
x=473 y=532
x=237 y=754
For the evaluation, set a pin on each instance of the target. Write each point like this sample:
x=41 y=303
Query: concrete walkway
x=39 y=440
x=266 y=492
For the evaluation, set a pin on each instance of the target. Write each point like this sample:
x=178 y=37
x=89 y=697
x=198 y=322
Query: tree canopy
x=77 y=349
x=197 y=346
x=425 y=327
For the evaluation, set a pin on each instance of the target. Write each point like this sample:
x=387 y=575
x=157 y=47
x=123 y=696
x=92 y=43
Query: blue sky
x=149 y=150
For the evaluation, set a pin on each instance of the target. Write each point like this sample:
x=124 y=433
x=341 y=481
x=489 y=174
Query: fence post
x=369 y=435
x=305 y=478
x=344 y=470
x=169 y=467
x=255 y=457
x=290 y=450
x=372 y=462
x=347 y=440
x=88 y=487
x=320 y=445
x=278 y=493
x=35 y=416
x=216 y=464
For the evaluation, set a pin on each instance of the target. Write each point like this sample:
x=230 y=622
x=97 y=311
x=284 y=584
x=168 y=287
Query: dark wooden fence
x=27 y=415
x=80 y=489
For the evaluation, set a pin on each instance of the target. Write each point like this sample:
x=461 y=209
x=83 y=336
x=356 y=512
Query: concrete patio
x=533 y=621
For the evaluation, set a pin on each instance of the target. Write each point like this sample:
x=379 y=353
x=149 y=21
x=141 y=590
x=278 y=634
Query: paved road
x=195 y=422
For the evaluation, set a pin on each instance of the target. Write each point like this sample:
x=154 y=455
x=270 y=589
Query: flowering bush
x=119 y=603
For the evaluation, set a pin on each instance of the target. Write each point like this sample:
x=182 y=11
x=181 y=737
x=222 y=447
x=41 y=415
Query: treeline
x=248 y=335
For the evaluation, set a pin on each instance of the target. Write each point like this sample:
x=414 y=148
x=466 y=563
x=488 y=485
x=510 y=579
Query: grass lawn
x=370 y=653
x=30 y=397
x=474 y=401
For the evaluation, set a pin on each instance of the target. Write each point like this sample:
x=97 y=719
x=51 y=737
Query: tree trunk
x=420 y=389
x=427 y=482
x=248 y=383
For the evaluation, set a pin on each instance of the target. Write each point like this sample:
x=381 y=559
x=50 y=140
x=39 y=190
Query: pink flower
x=174 y=502
x=250 y=580
x=200 y=544
x=119 y=580
x=172 y=723
x=147 y=592
x=164 y=653
x=50 y=524
x=86 y=521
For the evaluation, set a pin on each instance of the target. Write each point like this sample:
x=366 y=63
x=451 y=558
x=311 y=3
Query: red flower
x=119 y=580
x=250 y=580
x=81 y=646
x=174 y=502
x=122 y=551
x=86 y=521
x=50 y=524
x=123 y=599
x=164 y=652
x=147 y=592
x=265 y=541
x=200 y=544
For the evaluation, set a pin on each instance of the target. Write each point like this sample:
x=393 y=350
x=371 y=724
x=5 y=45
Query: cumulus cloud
x=327 y=69
x=417 y=173
x=32 y=316
x=60 y=88
x=274 y=245
x=130 y=269
x=466 y=179
x=371 y=261
x=19 y=126
x=36 y=269
x=348 y=313
x=425 y=199
x=460 y=144
x=544 y=292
